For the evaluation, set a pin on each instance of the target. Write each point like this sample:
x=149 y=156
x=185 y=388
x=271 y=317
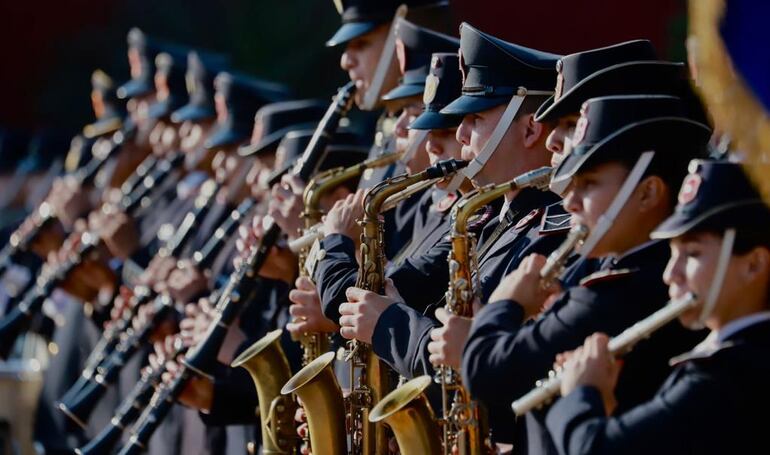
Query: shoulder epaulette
x=555 y=220
x=605 y=275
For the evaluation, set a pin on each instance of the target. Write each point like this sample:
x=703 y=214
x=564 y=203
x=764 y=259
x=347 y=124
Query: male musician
x=498 y=76
x=504 y=355
x=425 y=260
x=714 y=400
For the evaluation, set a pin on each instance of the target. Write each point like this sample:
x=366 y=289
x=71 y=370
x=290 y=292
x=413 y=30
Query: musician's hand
x=305 y=310
x=592 y=365
x=198 y=393
x=447 y=341
x=342 y=218
x=523 y=286
x=117 y=230
x=68 y=200
x=197 y=319
x=120 y=304
x=286 y=205
x=248 y=236
x=158 y=270
x=86 y=279
x=162 y=328
x=359 y=315
x=186 y=282
x=49 y=238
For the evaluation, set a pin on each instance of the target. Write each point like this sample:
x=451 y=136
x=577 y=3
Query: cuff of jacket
x=585 y=402
x=338 y=245
x=395 y=333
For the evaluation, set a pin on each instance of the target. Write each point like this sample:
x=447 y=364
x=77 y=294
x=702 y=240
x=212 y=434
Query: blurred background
x=49 y=49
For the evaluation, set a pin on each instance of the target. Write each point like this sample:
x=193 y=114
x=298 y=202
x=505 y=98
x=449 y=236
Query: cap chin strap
x=413 y=146
x=372 y=95
x=726 y=250
x=493 y=142
x=608 y=217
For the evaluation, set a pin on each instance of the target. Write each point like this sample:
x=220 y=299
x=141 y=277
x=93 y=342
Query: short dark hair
x=530 y=105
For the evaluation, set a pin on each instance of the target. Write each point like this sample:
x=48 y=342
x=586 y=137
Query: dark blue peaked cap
x=415 y=45
x=202 y=68
x=172 y=66
x=495 y=70
x=243 y=96
x=442 y=86
x=147 y=49
x=360 y=17
x=275 y=120
x=626 y=68
x=716 y=195
x=622 y=126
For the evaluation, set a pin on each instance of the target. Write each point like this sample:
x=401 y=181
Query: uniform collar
x=732 y=328
x=636 y=255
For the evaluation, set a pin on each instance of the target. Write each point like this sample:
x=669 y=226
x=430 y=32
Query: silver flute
x=548 y=389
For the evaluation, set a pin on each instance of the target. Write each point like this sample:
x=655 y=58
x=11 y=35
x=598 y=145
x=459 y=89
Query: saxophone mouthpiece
x=445 y=168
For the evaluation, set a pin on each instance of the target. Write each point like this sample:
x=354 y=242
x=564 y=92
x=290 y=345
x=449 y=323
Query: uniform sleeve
x=235 y=398
x=336 y=272
x=667 y=424
x=401 y=339
x=504 y=357
x=422 y=280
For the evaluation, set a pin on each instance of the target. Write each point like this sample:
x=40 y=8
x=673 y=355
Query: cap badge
x=689 y=188
x=462 y=64
x=559 y=82
x=431 y=85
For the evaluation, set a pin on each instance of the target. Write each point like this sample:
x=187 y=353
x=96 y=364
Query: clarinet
x=82 y=398
x=19 y=318
x=20 y=240
x=546 y=390
x=202 y=357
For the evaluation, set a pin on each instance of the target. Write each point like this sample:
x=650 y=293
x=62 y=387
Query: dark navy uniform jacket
x=715 y=402
x=402 y=333
x=419 y=272
x=504 y=355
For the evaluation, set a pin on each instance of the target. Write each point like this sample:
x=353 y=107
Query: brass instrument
x=408 y=413
x=315 y=232
x=315 y=344
x=550 y=388
x=266 y=363
x=463 y=422
x=317 y=387
x=368 y=378
x=554 y=265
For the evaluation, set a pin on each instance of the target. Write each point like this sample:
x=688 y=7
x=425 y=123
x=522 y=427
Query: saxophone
x=463 y=423
x=312 y=384
x=368 y=377
x=315 y=344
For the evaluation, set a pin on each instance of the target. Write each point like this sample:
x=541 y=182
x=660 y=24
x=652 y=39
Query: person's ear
x=653 y=191
x=533 y=130
x=757 y=263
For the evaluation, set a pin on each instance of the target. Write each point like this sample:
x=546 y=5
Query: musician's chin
x=691 y=318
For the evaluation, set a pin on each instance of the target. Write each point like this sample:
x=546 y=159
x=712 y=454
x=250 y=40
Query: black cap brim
x=467 y=104
x=224 y=136
x=680 y=223
x=273 y=139
x=349 y=31
x=404 y=91
x=580 y=157
x=653 y=77
x=134 y=88
x=431 y=120
x=193 y=113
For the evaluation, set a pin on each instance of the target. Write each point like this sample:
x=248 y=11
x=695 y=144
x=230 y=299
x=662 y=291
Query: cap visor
x=133 y=88
x=404 y=91
x=350 y=31
x=159 y=109
x=430 y=120
x=273 y=138
x=224 y=136
x=191 y=112
x=472 y=104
